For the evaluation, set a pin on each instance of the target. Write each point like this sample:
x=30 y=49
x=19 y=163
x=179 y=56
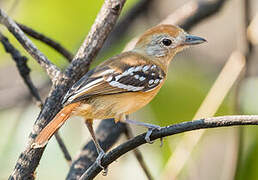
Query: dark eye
x=166 y=42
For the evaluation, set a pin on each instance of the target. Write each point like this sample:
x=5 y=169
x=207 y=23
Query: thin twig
x=29 y=158
x=138 y=154
x=24 y=70
x=52 y=71
x=21 y=63
x=50 y=42
x=213 y=122
x=62 y=146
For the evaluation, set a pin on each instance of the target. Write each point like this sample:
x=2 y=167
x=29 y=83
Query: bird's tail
x=46 y=133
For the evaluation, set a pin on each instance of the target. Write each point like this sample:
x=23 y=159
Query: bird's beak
x=192 y=40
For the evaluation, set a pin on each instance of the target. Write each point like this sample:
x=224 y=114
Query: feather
x=115 y=76
x=43 y=137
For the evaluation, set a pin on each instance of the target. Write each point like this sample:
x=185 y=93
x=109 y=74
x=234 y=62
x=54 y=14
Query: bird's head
x=164 y=41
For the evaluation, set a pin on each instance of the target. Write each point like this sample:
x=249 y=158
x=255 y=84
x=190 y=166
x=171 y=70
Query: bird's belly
x=112 y=106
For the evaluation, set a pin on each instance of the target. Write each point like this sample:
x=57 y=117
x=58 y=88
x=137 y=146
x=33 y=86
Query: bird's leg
x=150 y=127
x=101 y=152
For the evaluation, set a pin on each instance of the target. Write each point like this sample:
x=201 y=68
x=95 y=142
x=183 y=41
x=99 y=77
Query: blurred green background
x=191 y=75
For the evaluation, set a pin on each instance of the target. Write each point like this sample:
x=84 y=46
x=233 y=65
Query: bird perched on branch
x=122 y=84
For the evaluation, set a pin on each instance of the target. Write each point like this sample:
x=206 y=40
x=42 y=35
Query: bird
x=123 y=84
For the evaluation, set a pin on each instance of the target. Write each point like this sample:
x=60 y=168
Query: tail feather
x=46 y=133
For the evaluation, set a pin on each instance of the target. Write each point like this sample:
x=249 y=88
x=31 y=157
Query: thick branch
x=29 y=159
x=52 y=71
x=221 y=121
x=50 y=42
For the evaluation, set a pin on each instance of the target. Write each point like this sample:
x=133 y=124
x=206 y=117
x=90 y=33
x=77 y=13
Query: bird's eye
x=166 y=42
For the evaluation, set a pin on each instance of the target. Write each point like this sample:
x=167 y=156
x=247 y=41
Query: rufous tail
x=46 y=133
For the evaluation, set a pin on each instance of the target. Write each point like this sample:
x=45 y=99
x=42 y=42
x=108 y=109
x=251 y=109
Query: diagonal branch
x=29 y=158
x=24 y=70
x=50 y=42
x=63 y=148
x=52 y=71
x=213 y=122
x=21 y=63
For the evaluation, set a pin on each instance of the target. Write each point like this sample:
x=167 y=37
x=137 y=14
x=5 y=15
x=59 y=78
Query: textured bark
x=221 y=121
x=29 y=159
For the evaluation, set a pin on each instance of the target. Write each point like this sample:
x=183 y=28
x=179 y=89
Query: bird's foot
x=98 y=161
x=152 y=127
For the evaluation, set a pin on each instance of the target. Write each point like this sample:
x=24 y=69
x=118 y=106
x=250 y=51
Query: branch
x=52 y=71
x=50 y=42
x=63 y=148
x=108 y=133
x=213 y=122
x=29 y=158
x=178 y=17
x=21 y=63
x=24 y=70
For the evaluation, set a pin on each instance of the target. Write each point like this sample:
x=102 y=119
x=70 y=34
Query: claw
x=98 y=160
x=149 y=132
x=147 y=137
x=150 y=127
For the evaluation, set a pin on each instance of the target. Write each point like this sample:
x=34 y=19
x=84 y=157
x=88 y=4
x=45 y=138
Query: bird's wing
x=116 y=76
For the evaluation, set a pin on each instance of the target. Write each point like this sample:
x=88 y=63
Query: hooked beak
x=192 y=40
